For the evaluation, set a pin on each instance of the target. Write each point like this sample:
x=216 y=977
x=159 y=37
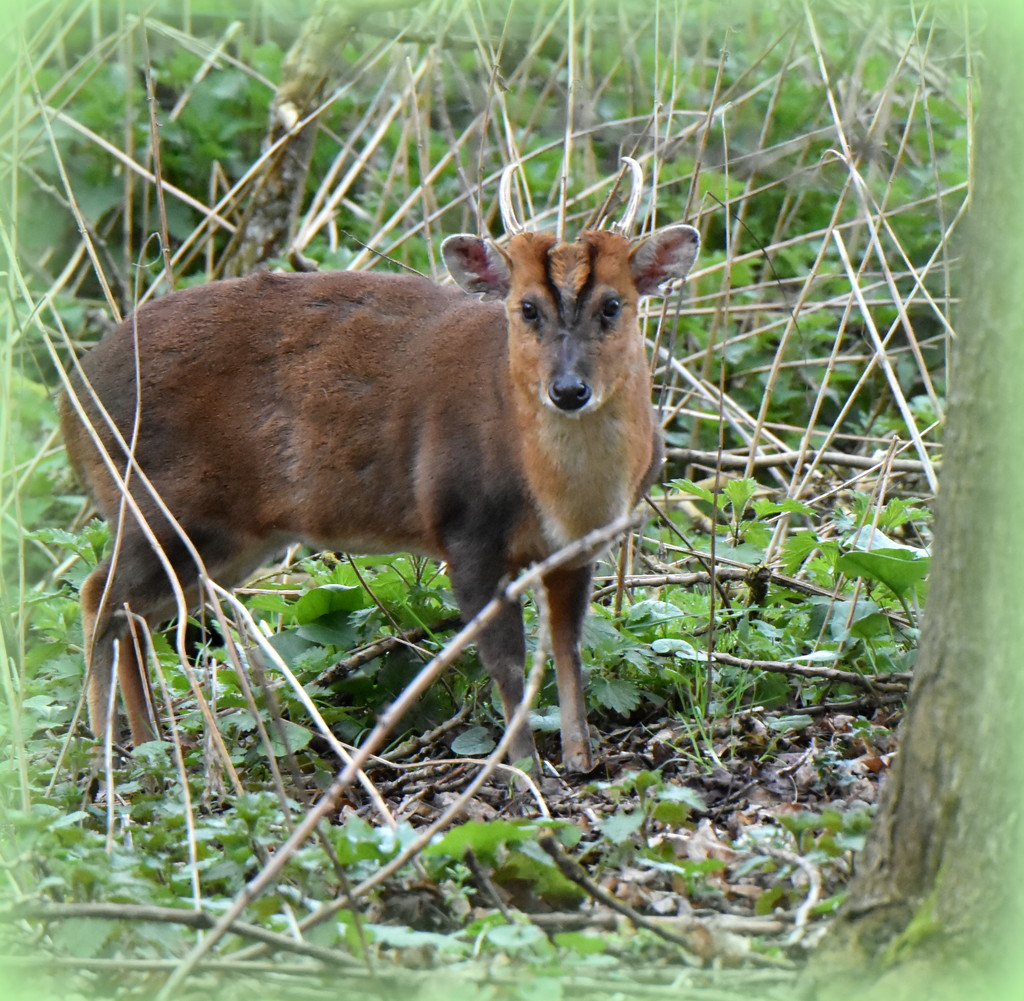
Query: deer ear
x=477 y=265
x=664 y=256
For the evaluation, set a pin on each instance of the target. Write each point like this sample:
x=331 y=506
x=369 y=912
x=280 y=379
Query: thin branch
x=573 y=871
x=873 y=682
x=173 y=915
x=770 y=459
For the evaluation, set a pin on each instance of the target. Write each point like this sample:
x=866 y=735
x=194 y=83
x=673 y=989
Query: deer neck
x=585 y=470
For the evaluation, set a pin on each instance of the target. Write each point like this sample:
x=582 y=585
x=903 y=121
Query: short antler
x=508 y=216
x=636 y=192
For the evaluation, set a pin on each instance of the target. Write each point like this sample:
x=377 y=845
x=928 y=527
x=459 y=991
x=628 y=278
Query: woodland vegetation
x=750 y=644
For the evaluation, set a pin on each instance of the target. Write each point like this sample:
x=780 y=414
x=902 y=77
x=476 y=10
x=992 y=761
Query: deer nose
x=569 y=393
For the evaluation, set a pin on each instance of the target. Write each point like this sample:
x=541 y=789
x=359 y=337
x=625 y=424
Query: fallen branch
x=173 y=915
x=607 y=920
x=384 y=645
x=424 y=740
x=813 y=895
x=844 y=459
x=873 y=682
x=573 y=871
x=859 y=705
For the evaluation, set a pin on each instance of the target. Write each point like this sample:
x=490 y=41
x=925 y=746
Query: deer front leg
x=502 y=646
x=568 y=595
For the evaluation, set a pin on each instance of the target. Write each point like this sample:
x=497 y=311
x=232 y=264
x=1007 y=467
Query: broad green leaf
x=871 y=539
x=817 y=657
x=483 y=837
x=408 y=938
x=739 y=493
x=652 y=612
x=475 y=741
x=581 y=943
x=783 y=723
x=514 y=937
x=898 y=569
x=277 y=603
x=689 y=487
x=799 y=546
x=547 y=719
x=620 y=696
x=870 y=626
x=297 y=736
x=682 y=794
x=81 y=937
x=321 y=601
x=290 y=646
x=620 y=827
x=331 y=629
x=677 y=646
x=673 y=814
x=763 y=507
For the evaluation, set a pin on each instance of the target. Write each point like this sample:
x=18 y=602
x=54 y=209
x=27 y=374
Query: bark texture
x=313 y=66
x=308 y=68
x=936 y=902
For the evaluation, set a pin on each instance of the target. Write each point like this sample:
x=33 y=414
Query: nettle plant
x=843 y=589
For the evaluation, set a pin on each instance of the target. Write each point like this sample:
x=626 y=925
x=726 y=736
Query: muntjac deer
x=377 y=413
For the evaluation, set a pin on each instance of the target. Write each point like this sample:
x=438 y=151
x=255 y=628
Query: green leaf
x=512 y=937
x=581 y=943
x=817 y=657
x=899 y=569
x=82 y=937
x=870 y=626
x=765 y=904
x=645 y=781
x=783 y=723
x=475 y=741
x=652 y=612
x=799 y=546
x=321 y=601
x=277 y=603
x=689 y=487
x=297 y=736
x=333 y=629
x=620 y=827
x=739 y=493
x=407 y=938
x=483 y=837
x=547 y=719
x=615 y=694
x=673 y=814
x=830 y=905
x=676 y=646
x=682 y=794
x=763 y=507
x=291 y=646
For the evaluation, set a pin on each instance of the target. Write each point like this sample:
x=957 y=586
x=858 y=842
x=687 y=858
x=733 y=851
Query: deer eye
x=530 y=311
x=611 y=308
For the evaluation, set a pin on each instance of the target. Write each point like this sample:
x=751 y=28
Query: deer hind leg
x=110 y=640
x=568 y=596
x=139 y=580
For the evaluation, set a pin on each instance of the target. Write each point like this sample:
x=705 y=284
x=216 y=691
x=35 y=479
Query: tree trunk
x=934 y=909
x=309 y=67
x=313 y=65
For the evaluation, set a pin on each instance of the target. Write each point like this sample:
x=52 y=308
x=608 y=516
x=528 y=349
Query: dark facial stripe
x=588 y=283
x=553 y=289
x=569 y=279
